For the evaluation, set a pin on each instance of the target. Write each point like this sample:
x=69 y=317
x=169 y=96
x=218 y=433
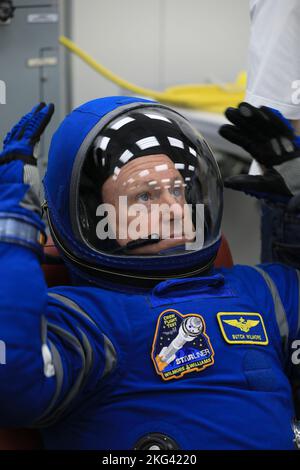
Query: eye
x=144 y=197
x=177 y=192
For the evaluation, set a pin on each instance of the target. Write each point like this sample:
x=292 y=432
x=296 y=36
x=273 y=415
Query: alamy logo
x=138 y=221
x=2 y=353
x=2 y=92
x=296 y=93
x=295 y=356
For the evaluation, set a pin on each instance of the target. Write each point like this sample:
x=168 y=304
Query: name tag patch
x=180 y=345
x=243 y=328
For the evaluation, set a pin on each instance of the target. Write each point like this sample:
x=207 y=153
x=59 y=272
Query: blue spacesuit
x=141 y=351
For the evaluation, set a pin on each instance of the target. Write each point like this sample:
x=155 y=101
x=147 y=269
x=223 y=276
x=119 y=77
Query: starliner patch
x=180 y=345
x=243 y=328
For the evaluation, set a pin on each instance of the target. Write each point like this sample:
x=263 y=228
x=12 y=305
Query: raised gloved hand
x=20 y=220
x=270 y=139
x=20 y=141
x=19 y=145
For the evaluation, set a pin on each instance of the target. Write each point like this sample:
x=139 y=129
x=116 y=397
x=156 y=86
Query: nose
x=169 y=199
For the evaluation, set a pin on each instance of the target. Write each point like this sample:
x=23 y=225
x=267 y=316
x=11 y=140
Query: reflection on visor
x=149 y=186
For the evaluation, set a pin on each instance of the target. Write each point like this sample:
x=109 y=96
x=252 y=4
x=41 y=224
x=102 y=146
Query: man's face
x=150 y=182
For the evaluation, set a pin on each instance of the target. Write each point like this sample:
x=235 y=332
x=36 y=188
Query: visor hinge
x=44 y=207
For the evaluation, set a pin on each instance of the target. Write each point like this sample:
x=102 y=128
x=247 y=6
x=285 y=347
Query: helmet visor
x=149 y=186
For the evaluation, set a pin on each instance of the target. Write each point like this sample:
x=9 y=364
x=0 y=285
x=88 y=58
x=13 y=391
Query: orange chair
x=224 y=257
x=56 y=274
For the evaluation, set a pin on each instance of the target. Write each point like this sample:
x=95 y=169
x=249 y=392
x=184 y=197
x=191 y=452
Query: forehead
x=150 y=165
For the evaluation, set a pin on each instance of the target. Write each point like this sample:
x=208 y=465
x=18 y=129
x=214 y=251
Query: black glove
x=270 y=139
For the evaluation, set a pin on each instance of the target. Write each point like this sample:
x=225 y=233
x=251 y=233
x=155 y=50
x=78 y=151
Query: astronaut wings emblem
x=243 y=328
x=242 y=324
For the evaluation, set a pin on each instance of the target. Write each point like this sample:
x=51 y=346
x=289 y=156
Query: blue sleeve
x=287 y=282
x=80 y=353
x=284 y=285
x=51 y=350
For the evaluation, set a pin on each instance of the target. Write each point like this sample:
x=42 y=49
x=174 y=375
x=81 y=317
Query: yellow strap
x=212 y=97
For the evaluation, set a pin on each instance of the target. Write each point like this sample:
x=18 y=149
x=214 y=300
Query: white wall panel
x=158 y=43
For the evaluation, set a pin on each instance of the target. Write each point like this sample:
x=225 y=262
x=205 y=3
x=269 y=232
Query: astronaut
x=151 y=347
